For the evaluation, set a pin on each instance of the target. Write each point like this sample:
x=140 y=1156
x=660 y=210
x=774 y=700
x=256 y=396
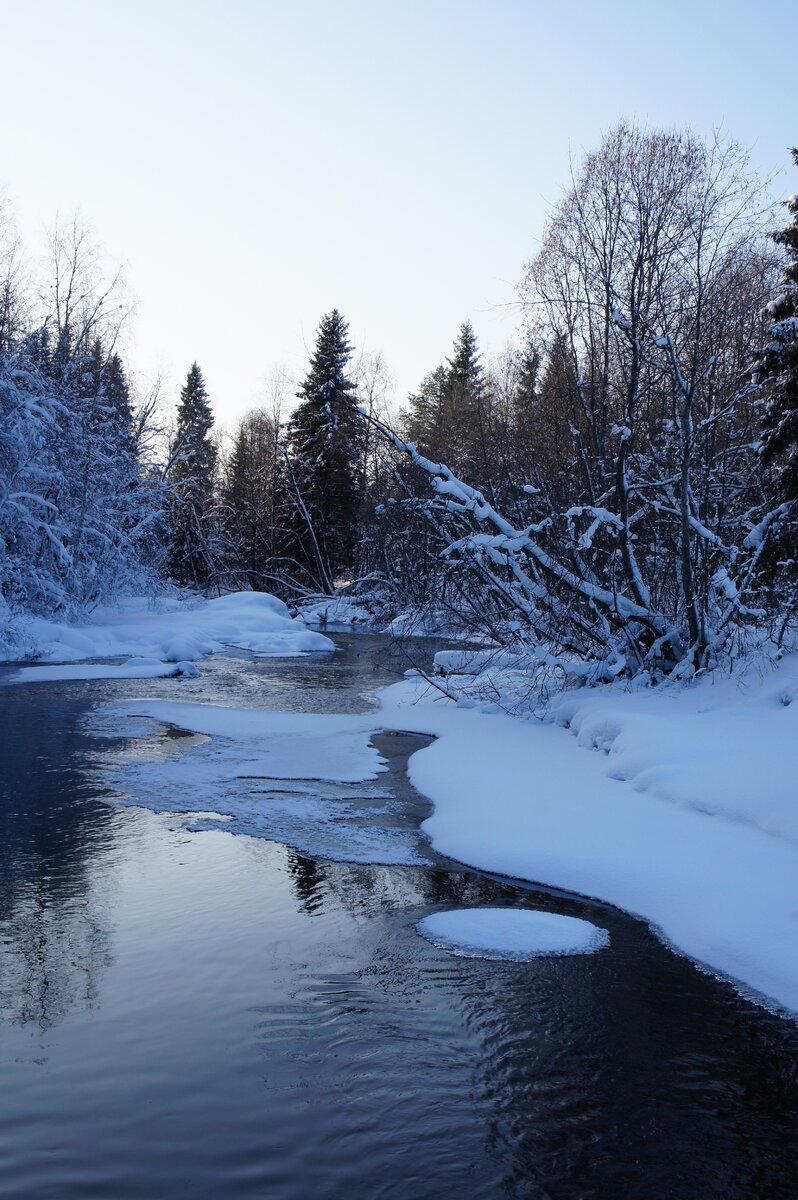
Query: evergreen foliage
x=325 y=441
x=780 y=423
x=600 y=497
x=446 y=418
x=193 y=479
x=428 y=413
x=249 y=500
x=614 y=493
x=76 y=505
x=466 y=375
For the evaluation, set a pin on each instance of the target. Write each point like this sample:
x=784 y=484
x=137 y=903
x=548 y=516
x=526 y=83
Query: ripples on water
x=205 y=1015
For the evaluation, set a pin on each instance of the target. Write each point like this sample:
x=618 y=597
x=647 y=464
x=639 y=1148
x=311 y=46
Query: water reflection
x=307 y=877
x=248 y=1020
x=624 y=1073
x=52 y=827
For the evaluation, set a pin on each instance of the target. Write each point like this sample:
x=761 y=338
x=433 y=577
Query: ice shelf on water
x=307 y=780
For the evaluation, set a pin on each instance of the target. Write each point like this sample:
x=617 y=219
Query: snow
x=678 y=804
x=306 y=780
x=275 y=745
x=134 y=668
x=513 y=933
x=678 y=807
x=712 y=754
x=345 y=610
x=171 y=630
x=465 y=662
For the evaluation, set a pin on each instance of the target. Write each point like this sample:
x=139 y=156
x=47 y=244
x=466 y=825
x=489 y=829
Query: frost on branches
x=640 y=521
x=78 y=507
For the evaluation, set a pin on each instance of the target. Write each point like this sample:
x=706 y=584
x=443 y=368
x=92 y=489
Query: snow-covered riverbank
x=679 y=807
x=165 y=630
x=678 y=804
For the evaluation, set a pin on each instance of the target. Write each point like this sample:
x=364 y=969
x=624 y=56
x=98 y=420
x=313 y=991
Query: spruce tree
x=249 y=497
x=428 y=412
x=524 y=403
x=465 y=368
x=325 y=437
x=466 y=405
x=780 y=424
x=193 y=479
x=445 y=416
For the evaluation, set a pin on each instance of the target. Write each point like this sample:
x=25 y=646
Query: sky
x=253 y=164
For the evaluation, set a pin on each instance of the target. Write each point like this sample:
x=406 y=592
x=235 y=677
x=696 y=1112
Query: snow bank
x=698 y=839
x=134 y=668
x=172 y=630
x=713 y=748
x=344 y=610
x=513 y=933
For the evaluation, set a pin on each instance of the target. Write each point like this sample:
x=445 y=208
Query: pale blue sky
x=255 y=164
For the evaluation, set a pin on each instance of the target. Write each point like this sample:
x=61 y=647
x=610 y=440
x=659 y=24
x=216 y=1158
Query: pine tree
x=468 y=395
x=465 y=368
x=325 y=436
x=524 y=403
x=428 y=413
x=249 y=497
x=193 y=479
x=525 y=391
x=780 y=434
x=446 y=417
x=116 y=391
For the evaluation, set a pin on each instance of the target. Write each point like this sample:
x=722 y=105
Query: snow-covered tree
x=617 y=536
x=780 y=366
x=76 y=504
x=652 y=275
x=325 y=441
x=192 y=481
x=78 y=501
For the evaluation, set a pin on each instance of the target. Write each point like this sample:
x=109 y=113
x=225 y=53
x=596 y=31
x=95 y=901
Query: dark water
x=203 y=1015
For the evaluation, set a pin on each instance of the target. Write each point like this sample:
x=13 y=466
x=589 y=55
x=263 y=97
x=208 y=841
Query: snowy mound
x=514 y=933
x=343 y=610
x=134 y=668
x=176 y=631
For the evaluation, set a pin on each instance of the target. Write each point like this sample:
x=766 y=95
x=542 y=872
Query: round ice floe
x=515 y=933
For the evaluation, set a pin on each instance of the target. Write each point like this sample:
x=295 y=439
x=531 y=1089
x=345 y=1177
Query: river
x=192 y=1014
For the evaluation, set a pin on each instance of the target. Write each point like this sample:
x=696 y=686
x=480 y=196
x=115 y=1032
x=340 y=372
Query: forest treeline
x=617 y=493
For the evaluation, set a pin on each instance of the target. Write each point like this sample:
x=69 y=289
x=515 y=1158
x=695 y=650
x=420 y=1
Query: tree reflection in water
x=53 y=941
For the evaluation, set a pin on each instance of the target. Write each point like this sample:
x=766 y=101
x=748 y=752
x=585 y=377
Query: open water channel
x=199 y=1014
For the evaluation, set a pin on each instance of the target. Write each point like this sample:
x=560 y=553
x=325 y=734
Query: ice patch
x=511 y=933
x=303 y=779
